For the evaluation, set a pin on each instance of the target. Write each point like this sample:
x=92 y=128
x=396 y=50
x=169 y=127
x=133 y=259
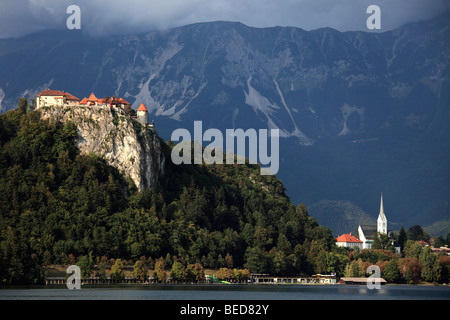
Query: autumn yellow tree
x=140 y=271
x=160 y=272
x=177 y=273
x=224 y=274
x=117 y=273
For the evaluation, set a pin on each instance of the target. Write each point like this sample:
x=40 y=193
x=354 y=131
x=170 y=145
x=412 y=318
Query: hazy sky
x=103 y=17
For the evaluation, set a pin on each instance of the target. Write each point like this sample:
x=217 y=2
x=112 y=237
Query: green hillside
x=55 y=202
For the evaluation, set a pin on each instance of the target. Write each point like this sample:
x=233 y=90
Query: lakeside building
x=349 y=241
x=430 y=244
x=368 y=232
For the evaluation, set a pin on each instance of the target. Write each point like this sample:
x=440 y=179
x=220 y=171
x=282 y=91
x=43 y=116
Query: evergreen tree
x=431 y=268
x=391 y=272
x=402 y=238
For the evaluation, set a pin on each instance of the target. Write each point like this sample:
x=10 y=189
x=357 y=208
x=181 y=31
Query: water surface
x=230 y=292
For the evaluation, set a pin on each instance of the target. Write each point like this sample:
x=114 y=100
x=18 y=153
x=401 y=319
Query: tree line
x=58 y=206
x=56 y=203
x=171 y=269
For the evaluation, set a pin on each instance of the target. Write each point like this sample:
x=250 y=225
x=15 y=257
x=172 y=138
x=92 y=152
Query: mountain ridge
x=358 y=112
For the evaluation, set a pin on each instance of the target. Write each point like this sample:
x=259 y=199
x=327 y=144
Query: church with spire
x=367 y=232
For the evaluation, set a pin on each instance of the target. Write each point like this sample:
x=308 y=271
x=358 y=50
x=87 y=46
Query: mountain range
x=359 y=113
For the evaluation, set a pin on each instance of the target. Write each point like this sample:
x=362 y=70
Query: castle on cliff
x=49 y=97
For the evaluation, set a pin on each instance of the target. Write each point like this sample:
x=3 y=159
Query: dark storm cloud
x=102 y=17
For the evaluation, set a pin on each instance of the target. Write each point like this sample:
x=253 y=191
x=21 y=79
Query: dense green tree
x=416 y=233
x=100 y=272
x=431 y=268
x=413 y=249
x=86 y=265
x=354 y=268
x=56 y=202
x=140 y=271
x=117 y=272
x=444 y=262
x=256 y=260
x=336 y=263
x=402 y=238
x=391 y=272
x=177 y=272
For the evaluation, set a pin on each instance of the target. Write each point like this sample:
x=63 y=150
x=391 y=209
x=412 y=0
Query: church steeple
x=382 y=221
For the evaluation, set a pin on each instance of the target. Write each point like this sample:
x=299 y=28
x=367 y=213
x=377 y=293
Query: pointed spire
x=383 y=216
x=382 y=220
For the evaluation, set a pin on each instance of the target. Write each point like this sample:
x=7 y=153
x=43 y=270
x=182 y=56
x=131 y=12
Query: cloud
x=103 y=17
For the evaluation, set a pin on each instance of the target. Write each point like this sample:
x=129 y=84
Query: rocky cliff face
x=108 y=132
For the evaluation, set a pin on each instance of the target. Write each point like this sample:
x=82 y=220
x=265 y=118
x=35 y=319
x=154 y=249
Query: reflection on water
x=231 y=292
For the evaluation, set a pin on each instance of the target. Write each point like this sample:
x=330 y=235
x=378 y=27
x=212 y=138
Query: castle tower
x=142 y=114
x=382 y=221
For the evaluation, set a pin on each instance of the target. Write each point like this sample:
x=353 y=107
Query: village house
x=430 y=244
x=348 y=241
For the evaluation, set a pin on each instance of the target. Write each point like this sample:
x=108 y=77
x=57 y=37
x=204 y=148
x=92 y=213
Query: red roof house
x=349 y=241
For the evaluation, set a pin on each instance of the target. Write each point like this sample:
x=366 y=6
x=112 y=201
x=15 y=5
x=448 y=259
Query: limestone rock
x=110 y=133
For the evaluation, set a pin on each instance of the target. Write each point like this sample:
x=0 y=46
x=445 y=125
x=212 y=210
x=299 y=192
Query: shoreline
x=168 y=285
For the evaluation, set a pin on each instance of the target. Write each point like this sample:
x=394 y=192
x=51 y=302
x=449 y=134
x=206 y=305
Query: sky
x=107 y=17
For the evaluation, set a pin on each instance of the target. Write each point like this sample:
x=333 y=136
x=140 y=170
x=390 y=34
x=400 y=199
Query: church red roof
x=142 y=108
x=348 y=238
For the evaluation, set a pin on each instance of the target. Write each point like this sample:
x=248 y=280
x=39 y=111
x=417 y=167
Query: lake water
x=231 y=292
x=223 y=301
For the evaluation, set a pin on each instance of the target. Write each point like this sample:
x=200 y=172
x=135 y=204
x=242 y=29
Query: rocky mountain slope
x=111 y=134
x=359 y=113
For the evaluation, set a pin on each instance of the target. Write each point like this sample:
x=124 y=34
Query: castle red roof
x=348 y=238
x=123 y=101
x=92 y=97
x=56 y=93
x=142 y=108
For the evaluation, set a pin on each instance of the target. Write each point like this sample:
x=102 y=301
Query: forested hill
x=56 y=202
